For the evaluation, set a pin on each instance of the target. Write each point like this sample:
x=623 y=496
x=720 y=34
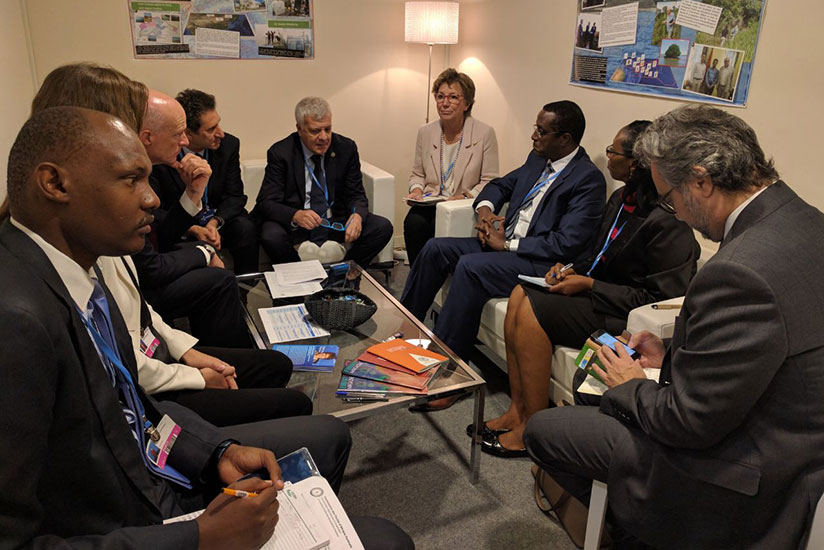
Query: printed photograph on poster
x=161 y=25
x=664 y=26
x=218 y=21
x=213 y=6
x=713 y=72
x=592 y=4
x=674 y=53
x=737 y=27
x=249 y=5
x=588 y=32
x=284 y=38
x=638 y=69
x=288 y=8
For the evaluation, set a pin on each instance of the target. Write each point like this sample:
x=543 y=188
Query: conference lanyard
x=609 y=240
x=316 y=182
x=445 y=175
x=538 y=186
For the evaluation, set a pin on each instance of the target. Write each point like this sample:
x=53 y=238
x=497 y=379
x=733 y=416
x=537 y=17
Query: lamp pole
x=428 y=82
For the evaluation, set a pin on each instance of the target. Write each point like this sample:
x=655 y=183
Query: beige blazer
x=477 y=160
x=155 y=376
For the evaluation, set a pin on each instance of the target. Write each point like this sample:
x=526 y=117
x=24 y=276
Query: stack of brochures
x=390 y=368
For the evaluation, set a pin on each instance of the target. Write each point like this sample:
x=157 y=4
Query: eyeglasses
x=611 y=151
x=452 y=98
x=665 y=202
x=543 y=132
x=336 y=226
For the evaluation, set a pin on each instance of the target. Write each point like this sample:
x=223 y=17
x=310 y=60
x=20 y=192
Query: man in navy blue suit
x=556 y=200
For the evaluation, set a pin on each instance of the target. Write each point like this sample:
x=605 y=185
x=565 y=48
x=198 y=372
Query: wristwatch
x=507 y=244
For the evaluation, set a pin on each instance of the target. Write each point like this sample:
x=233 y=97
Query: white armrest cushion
x=455 y=219
x=660 y=322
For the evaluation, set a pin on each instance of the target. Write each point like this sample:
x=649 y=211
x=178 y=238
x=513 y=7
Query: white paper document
x=619 y=25
x=299 y=272
x=593 y=387
x=310 y=517
x=289 y=323
x=278 y=290
x=539 y=281
x=699 y=16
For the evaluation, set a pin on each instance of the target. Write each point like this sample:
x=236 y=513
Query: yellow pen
x=238 y=493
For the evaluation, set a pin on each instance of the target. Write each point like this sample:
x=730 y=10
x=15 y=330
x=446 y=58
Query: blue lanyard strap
x=538 y=186
x=316 y=182
x=608 y=240
x=445 y=175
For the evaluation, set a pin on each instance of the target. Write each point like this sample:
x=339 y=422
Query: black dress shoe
x=493 y=447
x=486 y=431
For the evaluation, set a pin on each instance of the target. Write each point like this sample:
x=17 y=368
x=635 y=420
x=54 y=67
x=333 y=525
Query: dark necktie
x=543 y=180
x=100 y=327
x=317 y=198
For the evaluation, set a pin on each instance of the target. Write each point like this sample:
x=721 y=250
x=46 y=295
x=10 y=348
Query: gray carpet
x=413 y=469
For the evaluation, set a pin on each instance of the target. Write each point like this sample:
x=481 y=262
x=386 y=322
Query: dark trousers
x=209 y=297
x=418 y=227
x=478 y=275
x=261 y=377
x=279 y=241
x=240 y=237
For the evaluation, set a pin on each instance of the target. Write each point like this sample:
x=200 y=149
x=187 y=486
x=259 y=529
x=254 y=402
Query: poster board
x=222 y=29
x=688 y=49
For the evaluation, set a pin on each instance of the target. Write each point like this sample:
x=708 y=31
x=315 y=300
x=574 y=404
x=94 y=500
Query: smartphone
x=606 y=339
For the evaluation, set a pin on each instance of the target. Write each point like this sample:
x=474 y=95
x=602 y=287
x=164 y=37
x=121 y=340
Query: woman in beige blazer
x=455 y=156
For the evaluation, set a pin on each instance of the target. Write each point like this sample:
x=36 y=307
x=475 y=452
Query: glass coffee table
x=390 y=318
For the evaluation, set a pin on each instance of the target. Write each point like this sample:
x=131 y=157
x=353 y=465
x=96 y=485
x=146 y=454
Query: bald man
x=188 y=281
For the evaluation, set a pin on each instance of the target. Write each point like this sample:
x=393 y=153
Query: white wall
x=16 y=84
x=518 y=52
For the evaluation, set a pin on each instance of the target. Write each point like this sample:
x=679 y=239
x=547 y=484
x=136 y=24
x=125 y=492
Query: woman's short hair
x=450 y=77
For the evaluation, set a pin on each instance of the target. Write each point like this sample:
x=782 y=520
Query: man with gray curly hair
x=725 y=451
x=312 y=194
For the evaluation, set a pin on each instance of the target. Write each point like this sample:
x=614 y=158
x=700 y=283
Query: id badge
x=158 y=451
x=203 y=217
x=148 y=342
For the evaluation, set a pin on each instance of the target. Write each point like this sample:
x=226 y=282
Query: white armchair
x=457 y=219
x=378 y=184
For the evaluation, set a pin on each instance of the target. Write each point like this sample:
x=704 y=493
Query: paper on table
x=288 y=323
x=278 y=290
x=299 y=272
x=297 y=527
x=540 y=281
x=592 y=386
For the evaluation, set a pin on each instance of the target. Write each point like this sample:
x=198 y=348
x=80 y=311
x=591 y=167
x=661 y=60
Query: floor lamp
x=431 y=23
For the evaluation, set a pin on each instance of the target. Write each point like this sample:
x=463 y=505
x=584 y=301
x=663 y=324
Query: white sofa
x=378 y=184
x=457 y=219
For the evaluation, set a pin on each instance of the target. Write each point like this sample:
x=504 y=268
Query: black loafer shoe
x=493 y=447
x=486 y=431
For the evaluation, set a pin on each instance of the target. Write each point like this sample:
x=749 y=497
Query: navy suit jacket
x=283 y=191
x=224 y=193
x=71 y=468
x=569 y=214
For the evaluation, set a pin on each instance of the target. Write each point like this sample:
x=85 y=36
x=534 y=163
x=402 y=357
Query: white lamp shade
x=431 y=22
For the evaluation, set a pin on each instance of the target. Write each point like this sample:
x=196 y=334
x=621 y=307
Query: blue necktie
x=99 y=325
x=544 y=179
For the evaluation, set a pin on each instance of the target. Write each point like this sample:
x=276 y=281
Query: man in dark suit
x=189 y=280
x=726 y=450
x=555 y=203
x=222 y=220
x=79 y=468
x=313 y=192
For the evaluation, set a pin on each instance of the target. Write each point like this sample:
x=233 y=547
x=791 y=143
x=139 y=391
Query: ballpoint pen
x=365 y=399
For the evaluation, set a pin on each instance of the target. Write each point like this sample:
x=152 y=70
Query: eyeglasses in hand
x=335 y=226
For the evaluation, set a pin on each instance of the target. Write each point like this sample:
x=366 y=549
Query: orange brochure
x=414 y=358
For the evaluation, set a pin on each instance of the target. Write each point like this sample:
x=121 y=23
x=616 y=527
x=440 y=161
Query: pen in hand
x=238 y=493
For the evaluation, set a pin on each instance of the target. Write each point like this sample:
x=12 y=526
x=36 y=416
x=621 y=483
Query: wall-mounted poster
x=211 y=29
x=689 y=49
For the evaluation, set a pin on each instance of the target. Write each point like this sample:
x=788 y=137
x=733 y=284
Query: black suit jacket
x=653 y=258
x=728 y=451
x=71 y=468
x=569 y=213
x=224 y=193
x=283 y=191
